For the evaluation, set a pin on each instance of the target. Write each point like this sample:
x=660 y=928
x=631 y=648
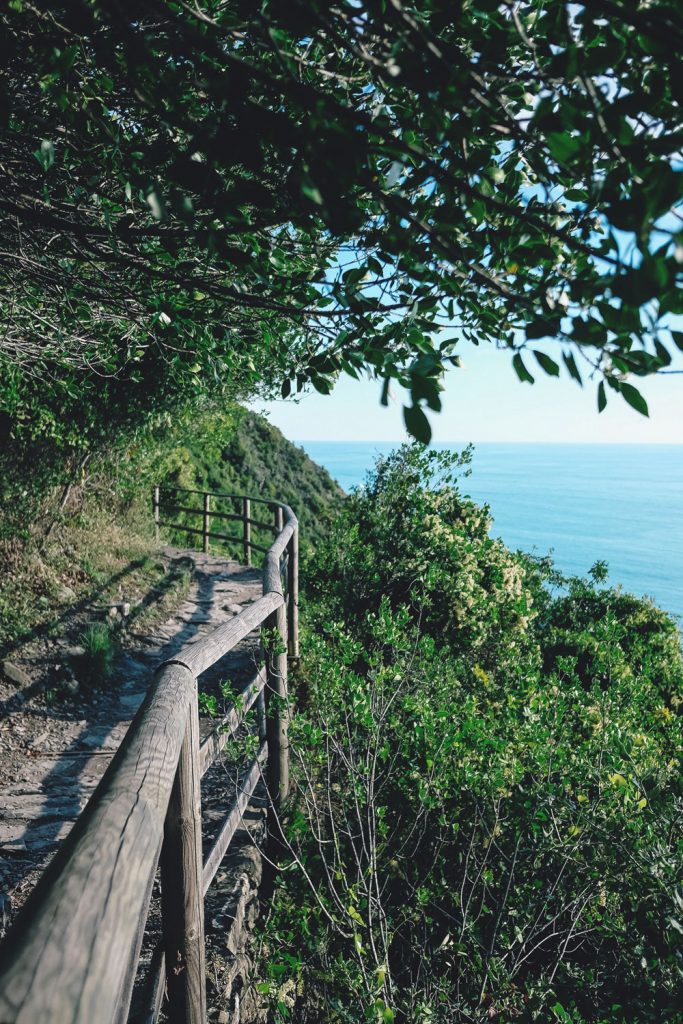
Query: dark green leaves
x=547 y=364
x=634 y=398
x=570 y=363
x=602 y=397
x=628 y=391
x=521 y=369
x=563 y=146
x=360 y=202
x=417 y=423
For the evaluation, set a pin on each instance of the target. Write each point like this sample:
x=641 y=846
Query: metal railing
x=73 y=953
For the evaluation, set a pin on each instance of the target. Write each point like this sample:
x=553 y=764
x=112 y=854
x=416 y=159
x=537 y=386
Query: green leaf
x=662 y=353
x=321 y=384
x=563 y=146
x=417 y=423
x=634 y=398
x=547 y=364
x=355 y=916
x=45 y=155
x=570 y=363
x=602 y=397
x=521 y=369
x=312 y=192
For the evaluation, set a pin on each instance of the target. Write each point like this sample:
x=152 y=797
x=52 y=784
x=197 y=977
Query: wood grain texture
x=279 y=545
x=182 y=895
x=293 y=596
x=204 y=653
x=277 y=710
x=71 y=957
x=272 y=583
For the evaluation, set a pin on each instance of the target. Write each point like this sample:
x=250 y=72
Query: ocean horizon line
x=535 y=444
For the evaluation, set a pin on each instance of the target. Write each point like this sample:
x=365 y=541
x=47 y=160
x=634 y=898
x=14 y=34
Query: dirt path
x=53 y=755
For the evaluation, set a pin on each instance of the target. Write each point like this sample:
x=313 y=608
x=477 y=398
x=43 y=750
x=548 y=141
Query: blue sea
x=620 y=503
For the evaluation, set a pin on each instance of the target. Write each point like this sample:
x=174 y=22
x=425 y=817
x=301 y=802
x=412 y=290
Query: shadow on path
x=68 y=784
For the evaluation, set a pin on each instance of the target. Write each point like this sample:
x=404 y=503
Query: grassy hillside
x=252 y=456
x=62 y=542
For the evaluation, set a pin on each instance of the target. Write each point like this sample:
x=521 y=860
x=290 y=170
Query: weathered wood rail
x=73 y=953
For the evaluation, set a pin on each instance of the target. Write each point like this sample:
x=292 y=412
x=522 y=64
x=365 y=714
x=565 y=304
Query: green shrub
x=94 y=667
x=471 y=842
x=411 y=536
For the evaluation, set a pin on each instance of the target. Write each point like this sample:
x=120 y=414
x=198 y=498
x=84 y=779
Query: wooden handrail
x=204 y=653
x=72 y=954
x=235 y=517
x=271 y=502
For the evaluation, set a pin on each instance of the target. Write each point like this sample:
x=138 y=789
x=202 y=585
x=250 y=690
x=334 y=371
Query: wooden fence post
x=277 y=711
x=205 y=530
x=182 y=901
x=278 y=518
x=155 y=506
x=261 y=715
x=293 y=596
x=246 y=517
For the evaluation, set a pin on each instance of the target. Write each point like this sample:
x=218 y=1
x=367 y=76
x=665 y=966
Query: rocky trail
x=53 y=754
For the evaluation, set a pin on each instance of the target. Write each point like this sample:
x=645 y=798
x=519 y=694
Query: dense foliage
x=487 y=820
x=231 y=195
x=412 y=537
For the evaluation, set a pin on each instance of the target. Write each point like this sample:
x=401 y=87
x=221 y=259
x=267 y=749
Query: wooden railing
x=72 y=955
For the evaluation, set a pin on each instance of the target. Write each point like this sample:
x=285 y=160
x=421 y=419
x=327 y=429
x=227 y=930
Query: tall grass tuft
x=97 y=661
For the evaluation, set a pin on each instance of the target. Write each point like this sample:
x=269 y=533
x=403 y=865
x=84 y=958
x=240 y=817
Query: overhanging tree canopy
x=210 y=192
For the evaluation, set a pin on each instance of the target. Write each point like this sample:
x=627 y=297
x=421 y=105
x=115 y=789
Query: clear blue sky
x=484 y=401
